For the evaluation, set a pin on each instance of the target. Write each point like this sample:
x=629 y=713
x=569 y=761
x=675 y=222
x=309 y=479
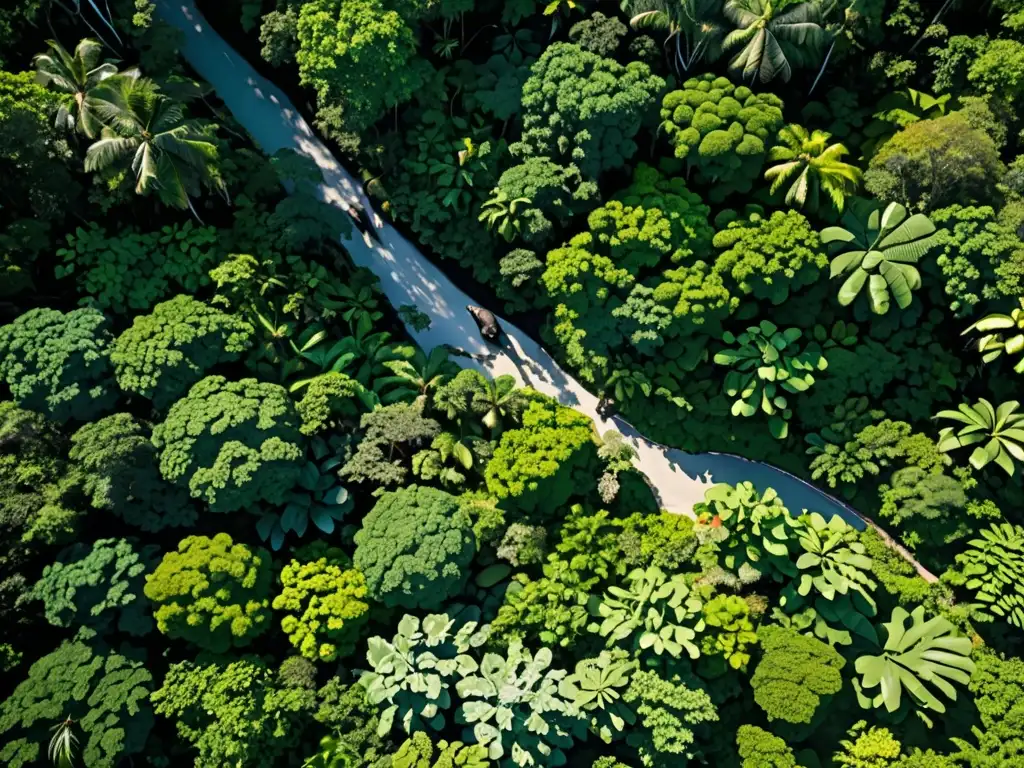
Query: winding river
x=407 y=277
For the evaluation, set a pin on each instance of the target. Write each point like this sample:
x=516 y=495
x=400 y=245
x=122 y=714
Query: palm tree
x=844 y=24
x=692 y=24
x=169 y=155
x=773 y=34
x=78 y=75
x=812 y=164
x=499 y=399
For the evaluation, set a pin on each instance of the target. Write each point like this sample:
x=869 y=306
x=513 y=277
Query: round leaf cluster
x=535 y=465
x=770 y=257
x=232 y=712
x=167 y=351
x=322 y=596
x=116 y=464
x=360 y=56
x=606 y=283
x=415 y=547
x=544 y=193
x=90 y=585
x=581 y=108
x=794 y=674
x=106 y=696
x=723 y=131
x=232 y=443
x=57 y=363
x=212 y=592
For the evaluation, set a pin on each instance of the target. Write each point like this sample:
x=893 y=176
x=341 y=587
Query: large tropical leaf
x=766 y=364
x=833 y=561
x=1000 y=429
x=886 y=246
x=922 y=659
x=1004 y=334
x=770 y=41
x=653 y=612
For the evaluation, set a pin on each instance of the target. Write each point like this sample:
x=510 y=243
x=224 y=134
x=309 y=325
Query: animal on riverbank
x=486 y=322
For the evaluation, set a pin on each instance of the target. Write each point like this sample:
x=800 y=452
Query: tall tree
x=813 y=165
x=170 y=155
x=76 y=74
x=773 y=36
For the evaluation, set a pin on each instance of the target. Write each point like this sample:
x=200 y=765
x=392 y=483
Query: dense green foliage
x=360 y=56
x=167 y=351
x=414 y=547
x=232 y=712
x=103 y=693
x=794 y=675
x=782 y=240
x=58 y=364
x=128 y=270
x=231 y=443
x=116 y=464
x=721 y=130
x=583 y=109
x=321 y=598
x=94 y=586
x=211 y=592
x=537 y=467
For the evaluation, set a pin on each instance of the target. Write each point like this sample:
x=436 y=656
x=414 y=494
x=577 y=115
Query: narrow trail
x=407 y=277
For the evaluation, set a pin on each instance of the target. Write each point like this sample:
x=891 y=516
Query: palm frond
x=107 y=151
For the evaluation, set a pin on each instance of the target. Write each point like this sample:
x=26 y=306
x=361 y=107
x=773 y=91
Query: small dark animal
x=486 y=322
x=606 y=407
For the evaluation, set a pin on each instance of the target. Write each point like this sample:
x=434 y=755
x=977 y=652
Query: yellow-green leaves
x=322 y=598
x=212 y=592
x=811 y=165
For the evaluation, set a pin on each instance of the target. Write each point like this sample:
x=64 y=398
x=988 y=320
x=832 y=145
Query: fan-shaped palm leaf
x=1000 y=429
x=170 y=155
x=77 y=75
x=810 y=164
x=888 y=245
x=772 y=38
x=914 y=658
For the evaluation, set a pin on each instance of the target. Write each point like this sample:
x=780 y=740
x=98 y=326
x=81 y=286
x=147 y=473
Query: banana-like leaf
x=920 y=659
x=887 y=245
x=1002 y=428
